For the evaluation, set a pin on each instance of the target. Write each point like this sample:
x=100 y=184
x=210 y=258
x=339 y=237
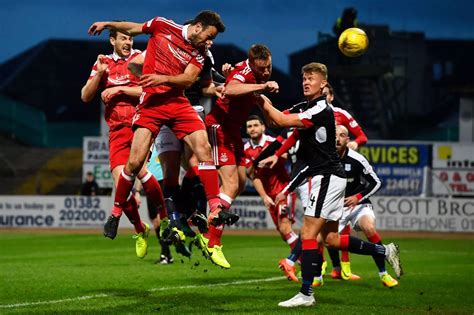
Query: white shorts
x=167 y=141
x=353 y=216
x=323 y=196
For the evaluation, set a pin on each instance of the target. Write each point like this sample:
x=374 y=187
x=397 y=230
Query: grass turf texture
x=58 y=269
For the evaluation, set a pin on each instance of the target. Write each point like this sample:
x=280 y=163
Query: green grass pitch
x=67 y=273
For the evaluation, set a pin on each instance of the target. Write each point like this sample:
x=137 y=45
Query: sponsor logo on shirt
x=179 y=54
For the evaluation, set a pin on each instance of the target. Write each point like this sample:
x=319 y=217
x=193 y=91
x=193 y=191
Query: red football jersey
x=345 y=119
x=121 y=108
x=273 y=179
x=234 y=111
x=169 y=52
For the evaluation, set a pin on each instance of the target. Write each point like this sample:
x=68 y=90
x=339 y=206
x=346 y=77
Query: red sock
x=214 y=235
x=124 y=187
x=343 y=242
x=116 y=211
x=309 y=244
x=375 y=238
x=345 y=253
x=131 y=211
x=210 y=181
x=153 y=190
x=291 y=238
x=226 y=201
x=192 y=172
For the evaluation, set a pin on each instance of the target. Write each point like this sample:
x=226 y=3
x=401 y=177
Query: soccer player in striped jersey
x=362 y=182
x=319 y=166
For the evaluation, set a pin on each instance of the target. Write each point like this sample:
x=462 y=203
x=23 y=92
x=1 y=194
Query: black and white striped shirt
x=361 y=178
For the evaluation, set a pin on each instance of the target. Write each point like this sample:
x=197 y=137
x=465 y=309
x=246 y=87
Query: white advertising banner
x=424 y=214
x=453 y=169
x=453 y=182
x=95 y=159
x=59 y=212
x=92 y=212
x=392 y=213
x=453 y=156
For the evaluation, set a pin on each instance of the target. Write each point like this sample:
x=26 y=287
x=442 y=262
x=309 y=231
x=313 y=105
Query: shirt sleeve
x=198 y=61
x=153 y=25
x=354 y=128
x=308 y=116
x=374 y=183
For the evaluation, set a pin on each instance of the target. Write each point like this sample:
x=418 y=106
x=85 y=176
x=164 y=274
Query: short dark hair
x=255 y=117
x=90 y=174
x=209 y=18
x=258 y=51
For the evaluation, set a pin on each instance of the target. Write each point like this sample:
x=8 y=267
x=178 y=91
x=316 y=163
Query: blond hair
x=317 y=68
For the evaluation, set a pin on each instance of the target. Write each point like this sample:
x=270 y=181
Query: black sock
x=319 y=264
x=172 y=201
x=186 y=196
x=334 y=255
x=165 y=249
x=296 y=251
x=308 y=269
x=380 y=260
x=358 y=246
x=199 y=196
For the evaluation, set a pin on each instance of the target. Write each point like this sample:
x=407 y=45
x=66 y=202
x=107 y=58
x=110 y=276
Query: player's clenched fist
x=272 y=87
x=101 y=64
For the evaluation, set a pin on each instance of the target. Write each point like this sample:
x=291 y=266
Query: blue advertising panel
x=399 y=166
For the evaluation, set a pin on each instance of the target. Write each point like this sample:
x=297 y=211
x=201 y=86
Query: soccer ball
x=353 y=42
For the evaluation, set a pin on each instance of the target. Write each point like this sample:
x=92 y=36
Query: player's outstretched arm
x=129 y=28
x=237 y=88
x=276 y=117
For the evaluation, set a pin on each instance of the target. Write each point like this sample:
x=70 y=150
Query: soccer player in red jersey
x=243 y=86
x=269 y=182
x=120 y=95
x=173 y=62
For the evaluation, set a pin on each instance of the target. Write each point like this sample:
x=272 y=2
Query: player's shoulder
x=269 y=138
x=356 y=156
x=168 y=22
x=298 y=107
x=242 y=71
x=247 y=145
x=341 y=112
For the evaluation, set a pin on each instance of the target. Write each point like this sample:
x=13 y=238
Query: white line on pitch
x=95 y=296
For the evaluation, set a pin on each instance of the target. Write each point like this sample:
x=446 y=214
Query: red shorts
x=288 y=212
x=227 y=145
x=155 y=110
x=120 y=142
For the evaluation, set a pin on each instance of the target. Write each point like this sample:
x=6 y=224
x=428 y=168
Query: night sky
x=284 y=26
